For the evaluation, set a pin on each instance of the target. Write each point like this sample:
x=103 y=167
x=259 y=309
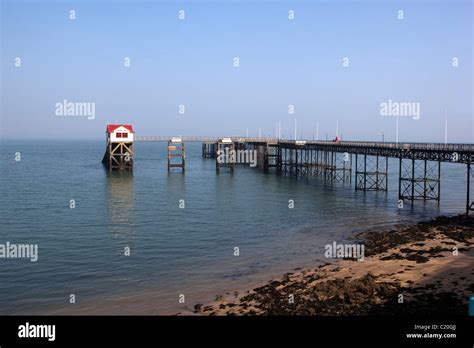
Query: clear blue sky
x=282 y=62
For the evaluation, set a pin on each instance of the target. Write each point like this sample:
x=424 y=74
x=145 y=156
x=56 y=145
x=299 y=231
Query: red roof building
x=119 y=133
x=112 y=127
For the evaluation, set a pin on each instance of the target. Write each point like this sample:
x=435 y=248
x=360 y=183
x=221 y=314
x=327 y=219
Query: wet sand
x=425 y=268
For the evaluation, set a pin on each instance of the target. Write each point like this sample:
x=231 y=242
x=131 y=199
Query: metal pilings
x=371 y=173
x=301 y=161
x=469 y=203
x=419 y=165
x=343 y=167
x=209 y=150
x=419 y=179
x=271 y=158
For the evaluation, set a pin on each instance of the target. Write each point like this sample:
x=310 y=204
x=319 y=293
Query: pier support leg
x=419 y=179
x=329 y=166
x=296 y=163
x=272 y=158
x=176 y=150
x=279 y=160
x=118 y=156
x=372 y=173
x=209 y=150
x=344 y=172
x=224 y=158
x=469 y=204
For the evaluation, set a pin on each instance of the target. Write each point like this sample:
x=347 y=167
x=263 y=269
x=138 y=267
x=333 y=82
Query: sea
x=146 y=242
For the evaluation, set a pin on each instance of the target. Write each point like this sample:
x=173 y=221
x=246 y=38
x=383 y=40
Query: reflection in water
x=175 y=187
x=120 y=203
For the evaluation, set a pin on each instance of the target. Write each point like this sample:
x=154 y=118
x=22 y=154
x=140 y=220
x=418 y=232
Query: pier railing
x=205 y=139
x=452 y=147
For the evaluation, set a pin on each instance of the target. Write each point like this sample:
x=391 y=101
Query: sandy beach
x=424 y=268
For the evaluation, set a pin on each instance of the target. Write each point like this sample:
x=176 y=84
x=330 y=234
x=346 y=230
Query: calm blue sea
x=174 y=251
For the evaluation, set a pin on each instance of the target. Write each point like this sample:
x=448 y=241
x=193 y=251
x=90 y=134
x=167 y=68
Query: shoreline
x=422 y=268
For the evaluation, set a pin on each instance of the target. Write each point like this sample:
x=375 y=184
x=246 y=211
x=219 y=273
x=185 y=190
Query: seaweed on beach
x=341 y=297
x=318 y=293
x=459 y=228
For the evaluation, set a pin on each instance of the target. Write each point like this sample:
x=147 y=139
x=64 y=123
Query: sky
x=336 y=62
